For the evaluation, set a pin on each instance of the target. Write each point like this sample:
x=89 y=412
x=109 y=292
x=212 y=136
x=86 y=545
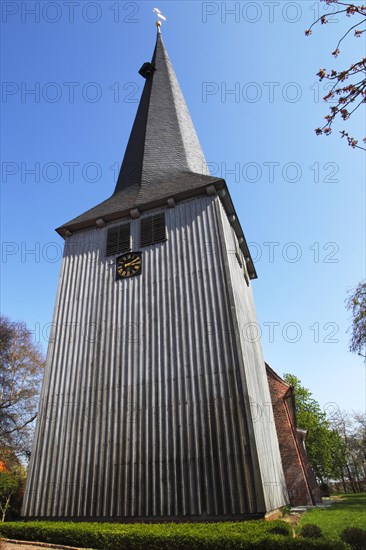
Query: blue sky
x=248 y=74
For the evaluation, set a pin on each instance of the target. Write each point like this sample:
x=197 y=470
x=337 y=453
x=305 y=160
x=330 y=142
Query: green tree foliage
x=9 y=486
x=348 y=84
x=324 y=445
x=356 y=304
x=352 y=429
x=21 y=369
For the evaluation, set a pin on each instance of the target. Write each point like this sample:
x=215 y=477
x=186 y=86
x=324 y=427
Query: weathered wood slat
x=147 y=405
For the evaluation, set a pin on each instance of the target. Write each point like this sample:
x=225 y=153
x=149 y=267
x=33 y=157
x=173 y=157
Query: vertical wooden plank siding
x=254 y=374
x=144 y=409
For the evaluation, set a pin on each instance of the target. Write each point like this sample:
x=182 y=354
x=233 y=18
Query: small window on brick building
x=119 y=239
x=152 y=230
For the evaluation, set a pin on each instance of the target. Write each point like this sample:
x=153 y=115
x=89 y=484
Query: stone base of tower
x=274 y=514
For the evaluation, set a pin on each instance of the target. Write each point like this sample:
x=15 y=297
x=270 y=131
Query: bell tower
x=155 y=403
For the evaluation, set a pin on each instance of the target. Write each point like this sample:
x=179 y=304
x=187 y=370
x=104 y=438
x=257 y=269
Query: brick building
x=300 y=479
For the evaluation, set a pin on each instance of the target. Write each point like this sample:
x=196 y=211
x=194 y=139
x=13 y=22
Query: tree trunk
x=351 y=479
x=344 y=482
x=5 y=508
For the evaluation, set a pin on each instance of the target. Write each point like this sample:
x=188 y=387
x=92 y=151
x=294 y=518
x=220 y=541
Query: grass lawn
x=350 y=511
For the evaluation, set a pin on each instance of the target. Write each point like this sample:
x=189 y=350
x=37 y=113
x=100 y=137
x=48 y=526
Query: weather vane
x=159 y=15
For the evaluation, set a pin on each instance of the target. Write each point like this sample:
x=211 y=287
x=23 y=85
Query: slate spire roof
x=163 y=141
x=163 y=156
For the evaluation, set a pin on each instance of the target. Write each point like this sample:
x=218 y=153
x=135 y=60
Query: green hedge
x=251 y=535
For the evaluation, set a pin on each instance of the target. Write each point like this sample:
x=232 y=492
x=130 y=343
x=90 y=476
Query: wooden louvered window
x=238 y=253
x=237 y=249
x=152 y=230
x=119 y=239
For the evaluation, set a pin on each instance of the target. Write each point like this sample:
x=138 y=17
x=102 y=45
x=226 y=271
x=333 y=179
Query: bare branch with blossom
x=355 y=90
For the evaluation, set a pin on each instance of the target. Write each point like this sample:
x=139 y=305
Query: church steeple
x=163 y=141
x=163 y=155
x=154 y=366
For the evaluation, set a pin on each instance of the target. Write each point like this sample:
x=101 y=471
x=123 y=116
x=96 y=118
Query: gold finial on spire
x=159 y=15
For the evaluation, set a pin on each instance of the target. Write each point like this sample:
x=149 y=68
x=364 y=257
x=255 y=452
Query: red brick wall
x=300 y=479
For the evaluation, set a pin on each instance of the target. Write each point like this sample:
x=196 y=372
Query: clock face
x=128 y=265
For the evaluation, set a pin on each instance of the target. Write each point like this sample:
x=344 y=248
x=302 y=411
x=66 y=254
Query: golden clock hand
x=133 y=262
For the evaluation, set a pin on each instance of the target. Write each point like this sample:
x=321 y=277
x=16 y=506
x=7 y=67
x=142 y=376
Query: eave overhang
x=220 y=187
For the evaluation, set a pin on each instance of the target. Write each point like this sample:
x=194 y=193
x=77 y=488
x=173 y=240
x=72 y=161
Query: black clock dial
x=128 y=265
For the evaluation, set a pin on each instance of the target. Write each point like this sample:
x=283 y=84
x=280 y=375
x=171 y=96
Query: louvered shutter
x=119 y=239
x=152 y=229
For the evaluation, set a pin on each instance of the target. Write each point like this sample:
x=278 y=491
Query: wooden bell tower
x=149 y=407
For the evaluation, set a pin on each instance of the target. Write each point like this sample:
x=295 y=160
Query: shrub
x=250 y=535
x=280 y=530
x=355 y=537
x=311 y=531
